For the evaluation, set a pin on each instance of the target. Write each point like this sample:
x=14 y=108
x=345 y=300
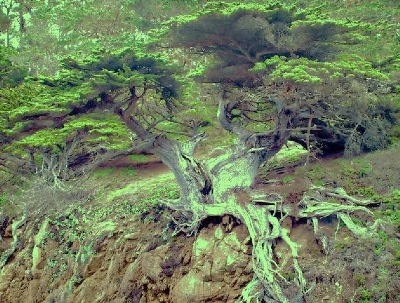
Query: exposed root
x=293 y=247
x=264 y=228
x=314 y=204
x=190 y=215
x=253 y=292
x=188 y=228
x=340 y=193
x=7 y=254
x=359 y=231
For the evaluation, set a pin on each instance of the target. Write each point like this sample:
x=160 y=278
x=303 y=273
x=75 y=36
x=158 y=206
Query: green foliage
x=365 y=295
x=246 y=33
x=99 y=129
x=139 y=158
x=44 y=138
x=4 y=198
x=114 y=172
x=42 y=44
x=33 y=98
x=54 y=110
x=232 y=9
x=198 y=71
x=287 y=179
x=122 y=68
x=20 y=96
x=259 y=67
x=303 y=70
x=102 y=128
x=86 y=78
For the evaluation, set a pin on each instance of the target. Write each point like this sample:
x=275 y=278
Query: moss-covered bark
x=222 y=186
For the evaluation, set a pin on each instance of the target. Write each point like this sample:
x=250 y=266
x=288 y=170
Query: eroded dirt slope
x=118 y=245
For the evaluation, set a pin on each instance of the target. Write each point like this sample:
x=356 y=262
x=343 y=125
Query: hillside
x=109 y=241
x=199 y=151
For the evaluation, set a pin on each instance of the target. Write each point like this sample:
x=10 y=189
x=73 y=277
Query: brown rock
x=33 y=288
x=151 y=266
x=94 y=264
x=75 y=246
x=192 y=288
x=37 y=274
x=8 y=232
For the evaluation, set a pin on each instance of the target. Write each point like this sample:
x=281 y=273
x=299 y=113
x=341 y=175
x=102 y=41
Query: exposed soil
x=123 y=258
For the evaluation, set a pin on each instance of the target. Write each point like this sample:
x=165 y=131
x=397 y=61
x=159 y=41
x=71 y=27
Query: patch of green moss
x=127 y=171
x=343 y=243
x=139 y=158
x=316 y=172
x=287 y=179
x=104 y=172
x=130 y=189
x=108 y=171
x=365 y=295
x=4 y=198
x=169 y=191
x=287 y=155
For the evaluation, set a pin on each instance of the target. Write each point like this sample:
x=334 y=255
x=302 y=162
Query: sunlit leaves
x=105 y=129
x=303 y=70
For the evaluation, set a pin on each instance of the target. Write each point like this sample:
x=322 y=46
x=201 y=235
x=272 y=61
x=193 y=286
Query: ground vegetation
x=262 y=74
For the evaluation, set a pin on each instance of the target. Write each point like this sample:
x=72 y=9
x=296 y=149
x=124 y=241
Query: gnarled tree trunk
x=222 y=186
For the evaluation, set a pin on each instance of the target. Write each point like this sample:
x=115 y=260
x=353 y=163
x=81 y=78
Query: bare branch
x=174 y=132
x=225 y=119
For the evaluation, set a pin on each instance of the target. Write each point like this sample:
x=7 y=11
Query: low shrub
x=40 y=198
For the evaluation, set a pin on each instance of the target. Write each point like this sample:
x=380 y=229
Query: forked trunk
x=222 y=186
x=216 y=188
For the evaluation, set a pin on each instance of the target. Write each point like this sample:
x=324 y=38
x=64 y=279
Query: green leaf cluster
x=234 y=9
x=103 y=129
x=32 y=99
x=84 y=79
x=303 y=70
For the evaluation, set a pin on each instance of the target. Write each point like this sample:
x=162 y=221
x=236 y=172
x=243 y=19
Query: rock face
x=126 y=261
x=221 y=267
